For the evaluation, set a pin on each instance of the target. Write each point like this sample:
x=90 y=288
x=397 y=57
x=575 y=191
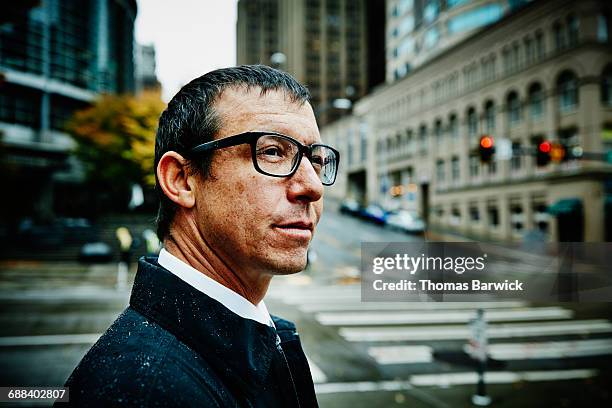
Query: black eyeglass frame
x=251 y=139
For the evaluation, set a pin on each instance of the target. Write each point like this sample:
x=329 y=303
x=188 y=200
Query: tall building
x=418 y=30
x=56 y=56
x=145 y=76
x=333 y=46
x=543 y=72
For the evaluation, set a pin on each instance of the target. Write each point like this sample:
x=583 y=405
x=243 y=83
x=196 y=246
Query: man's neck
x=206 y=261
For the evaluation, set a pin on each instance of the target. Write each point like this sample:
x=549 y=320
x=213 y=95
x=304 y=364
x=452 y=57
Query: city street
x=361 y=354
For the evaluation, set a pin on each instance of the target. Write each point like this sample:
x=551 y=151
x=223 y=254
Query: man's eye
x=318 y=160
x=271 y=151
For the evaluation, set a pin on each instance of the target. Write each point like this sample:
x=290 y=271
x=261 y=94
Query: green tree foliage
x=116 y=139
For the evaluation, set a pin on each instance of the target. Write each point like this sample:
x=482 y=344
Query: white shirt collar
x=215 y=290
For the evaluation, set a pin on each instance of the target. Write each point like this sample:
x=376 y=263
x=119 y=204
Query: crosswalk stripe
x=499 y=377
x=550 y=349
x=318 y=376
x=49 y=340
x=458 y=332
x=503 y=351
x=441 y=316
x=401 y=354
x=379 y=306
x=448 y=379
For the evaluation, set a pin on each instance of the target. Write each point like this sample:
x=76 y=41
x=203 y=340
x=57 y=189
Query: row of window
x=566 y=91
x=517 y=217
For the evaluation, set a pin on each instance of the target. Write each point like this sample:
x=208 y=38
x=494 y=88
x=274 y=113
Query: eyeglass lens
x=278 y=156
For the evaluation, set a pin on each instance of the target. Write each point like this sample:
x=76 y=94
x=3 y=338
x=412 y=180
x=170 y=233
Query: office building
x=543 y=72
x=420 y=29
x=335 y=47
x=56 y=56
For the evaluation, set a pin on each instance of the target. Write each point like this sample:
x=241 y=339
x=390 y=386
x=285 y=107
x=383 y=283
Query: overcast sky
x=191 y=37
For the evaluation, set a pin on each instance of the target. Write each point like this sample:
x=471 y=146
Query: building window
x=474 y=18
x=514 y=108
x=606 y=86
x=440 y=171
x=423 y=138
x=410 y=141
x=536 y=101
x=364 y=143
x=489 y=113
x=455 y=217
x=474 y=165
x=492 y=167
x=431 y=38
x=567 y=88
x=602 y=27
x=559 y=35
x=517 y=218
x=572 y=30
x=431 y=11
x=515 y=161
x=472 y=122
x=492 y=215
x=474 y=213
x=438 y=131
x=453 y=127
x=455 y=171
x=529 y=50
x=540 y=216
x=540 y=47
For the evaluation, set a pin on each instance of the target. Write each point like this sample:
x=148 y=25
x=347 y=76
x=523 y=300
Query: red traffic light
x=486 y=142
x=545 y=147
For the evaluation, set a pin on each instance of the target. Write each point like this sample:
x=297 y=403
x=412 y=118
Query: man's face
x=258 y=223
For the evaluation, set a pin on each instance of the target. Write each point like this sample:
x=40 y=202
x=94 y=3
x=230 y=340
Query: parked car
x=407 y=221
x=374 y=213
x=350 y=206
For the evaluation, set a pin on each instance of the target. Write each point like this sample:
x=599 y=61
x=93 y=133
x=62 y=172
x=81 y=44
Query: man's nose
x=305 y=184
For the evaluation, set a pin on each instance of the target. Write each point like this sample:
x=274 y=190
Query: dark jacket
x=175 y=346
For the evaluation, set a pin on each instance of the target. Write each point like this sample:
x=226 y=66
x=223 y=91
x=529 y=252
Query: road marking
x=458 y=332
x=318 y=376
x=49 y=340
x=499 y=377
x=549 y=349
x=448 y=379
x=380 y=306
x=441 y=316
x=401 y=354
x=385 y=355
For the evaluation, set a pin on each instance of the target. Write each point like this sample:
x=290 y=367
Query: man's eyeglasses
x=278 y=155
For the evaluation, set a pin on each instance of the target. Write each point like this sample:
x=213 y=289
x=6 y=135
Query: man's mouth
x=296 y=229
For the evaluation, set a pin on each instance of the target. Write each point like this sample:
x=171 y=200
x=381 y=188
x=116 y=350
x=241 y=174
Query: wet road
x=361 y=354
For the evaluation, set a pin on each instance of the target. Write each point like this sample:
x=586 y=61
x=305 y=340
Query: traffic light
x=486 y=148
x=543 y=153
x=558 y=153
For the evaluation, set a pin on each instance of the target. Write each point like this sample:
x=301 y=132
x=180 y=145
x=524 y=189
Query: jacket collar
x=240 y=350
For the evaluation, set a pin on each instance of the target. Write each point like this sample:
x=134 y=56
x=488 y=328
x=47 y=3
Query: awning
x=565 y=206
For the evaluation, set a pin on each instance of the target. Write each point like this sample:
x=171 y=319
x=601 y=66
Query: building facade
x=145 y=77
x=329 y=45
x=544 y=72
x=420 y=29
x=56 y=56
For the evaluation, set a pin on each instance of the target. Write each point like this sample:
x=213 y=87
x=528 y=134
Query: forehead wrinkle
x=242 y=111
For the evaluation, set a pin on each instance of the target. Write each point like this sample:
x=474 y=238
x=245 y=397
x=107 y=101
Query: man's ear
x=174 y=179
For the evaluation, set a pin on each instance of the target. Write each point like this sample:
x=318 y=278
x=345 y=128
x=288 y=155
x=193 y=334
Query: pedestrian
x=240 y=170
x=125 y=253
